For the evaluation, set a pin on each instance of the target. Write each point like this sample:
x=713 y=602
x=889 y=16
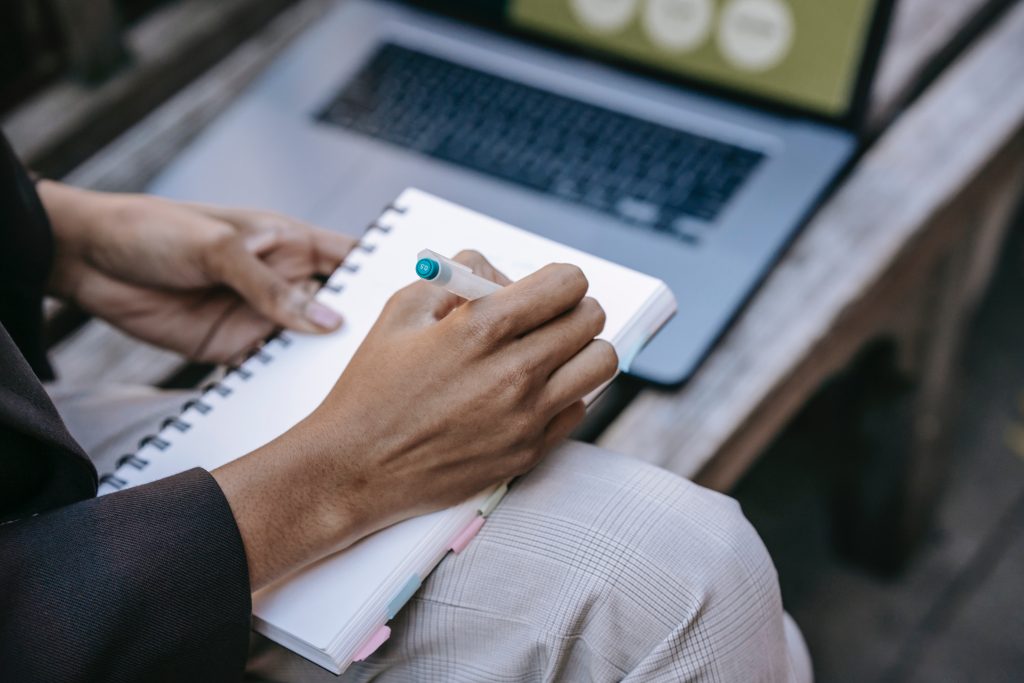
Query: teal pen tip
x=427 y=268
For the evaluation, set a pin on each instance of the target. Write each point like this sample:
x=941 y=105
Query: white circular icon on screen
x=678 y=25
x=755 y=34
x=604 y=15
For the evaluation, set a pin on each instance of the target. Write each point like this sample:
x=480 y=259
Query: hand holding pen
x=440 y=402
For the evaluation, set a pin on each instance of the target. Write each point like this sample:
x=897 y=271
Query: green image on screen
x=802 y=53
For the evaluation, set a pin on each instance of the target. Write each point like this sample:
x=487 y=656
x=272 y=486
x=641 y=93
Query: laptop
x=688 y=139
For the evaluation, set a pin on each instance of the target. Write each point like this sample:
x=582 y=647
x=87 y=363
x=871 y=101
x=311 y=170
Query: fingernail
x=322 y=316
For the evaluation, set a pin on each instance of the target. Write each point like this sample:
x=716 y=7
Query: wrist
x=337 y=496
x=76 y=216
x=290 y=505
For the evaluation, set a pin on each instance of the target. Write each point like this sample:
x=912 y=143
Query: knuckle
x=226 y=242
x=572 y=278
x=607 y=358
x=396 y=300
x=469 y=257
x=523 y=426
x=517 y=378
x=479 y=330
x=595 y=314
x=534 y=453
x=412 y=291
x=392 y=302
x=527 y=457
x=485 y=327
x=279 y=294
x=576 y=413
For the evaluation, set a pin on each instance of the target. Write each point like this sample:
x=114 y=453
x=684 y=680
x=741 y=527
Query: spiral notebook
x=336 y=611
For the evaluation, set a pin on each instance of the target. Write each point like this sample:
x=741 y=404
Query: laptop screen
x=802 y=54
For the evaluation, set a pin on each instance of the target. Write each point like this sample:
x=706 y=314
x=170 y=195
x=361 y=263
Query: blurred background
x=77 y=75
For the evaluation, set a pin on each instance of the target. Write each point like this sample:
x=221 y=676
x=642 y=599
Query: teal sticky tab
x=408 y=590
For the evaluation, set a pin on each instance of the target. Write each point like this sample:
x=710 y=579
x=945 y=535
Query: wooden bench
x=900 y=252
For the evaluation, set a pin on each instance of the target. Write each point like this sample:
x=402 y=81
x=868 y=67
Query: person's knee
x=630 y=563
x=683 y=565
x=718 y=555
x=637 y=519
x=728 y=608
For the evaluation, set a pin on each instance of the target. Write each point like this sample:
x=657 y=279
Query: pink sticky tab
x=375 y=641
x=463 y=539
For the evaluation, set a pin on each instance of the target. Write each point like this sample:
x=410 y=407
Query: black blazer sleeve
x=148 y=584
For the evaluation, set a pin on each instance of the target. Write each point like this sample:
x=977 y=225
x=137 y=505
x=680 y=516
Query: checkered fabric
x=595 y=567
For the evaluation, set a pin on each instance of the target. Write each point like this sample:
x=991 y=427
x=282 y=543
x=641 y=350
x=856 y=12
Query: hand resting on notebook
x=204 y=281
x=443 y=399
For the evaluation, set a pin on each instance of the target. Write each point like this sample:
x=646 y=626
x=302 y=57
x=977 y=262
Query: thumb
x=272 y=296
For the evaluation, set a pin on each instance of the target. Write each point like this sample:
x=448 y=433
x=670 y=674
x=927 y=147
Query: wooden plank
x=134 y=159
x=71 y=120
x=92 y=36
x=868 y=243
x=920 y=30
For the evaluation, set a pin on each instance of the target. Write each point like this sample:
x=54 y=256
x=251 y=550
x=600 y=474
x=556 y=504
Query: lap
x=594 y=567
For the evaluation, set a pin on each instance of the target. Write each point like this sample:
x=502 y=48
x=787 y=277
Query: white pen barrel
x=466 y=284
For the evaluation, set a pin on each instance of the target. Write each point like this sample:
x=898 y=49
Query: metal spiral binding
x=260 y=353
x=202 y=407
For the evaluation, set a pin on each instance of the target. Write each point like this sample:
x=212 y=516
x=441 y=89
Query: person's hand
x=440 y=402
x=204 y=281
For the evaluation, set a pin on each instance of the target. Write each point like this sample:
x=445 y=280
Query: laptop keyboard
x=649 y=175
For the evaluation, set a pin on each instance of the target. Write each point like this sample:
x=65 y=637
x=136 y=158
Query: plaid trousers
x=595 y=567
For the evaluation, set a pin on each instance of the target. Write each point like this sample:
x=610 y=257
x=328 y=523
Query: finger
x=238 y=330
x=552 y=345
x=274 y=297
x=529 y=303
x=562 y=425
x=331 y=248
x=481 y=266
x=583 y=373
x=419 y=304
x=328 y=249
x=267 y=230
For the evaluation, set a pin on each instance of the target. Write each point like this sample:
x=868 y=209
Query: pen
x=453 y=276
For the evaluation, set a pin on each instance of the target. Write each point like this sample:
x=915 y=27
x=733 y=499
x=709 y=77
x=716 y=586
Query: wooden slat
x=71 y=120
x=133 y=160
x=92 y=36
x=920 y=30
x=869 y=241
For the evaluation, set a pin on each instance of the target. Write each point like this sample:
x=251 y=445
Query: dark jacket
x=148 y=584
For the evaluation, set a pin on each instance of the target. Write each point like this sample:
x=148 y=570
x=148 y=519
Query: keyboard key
x=638 y=210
